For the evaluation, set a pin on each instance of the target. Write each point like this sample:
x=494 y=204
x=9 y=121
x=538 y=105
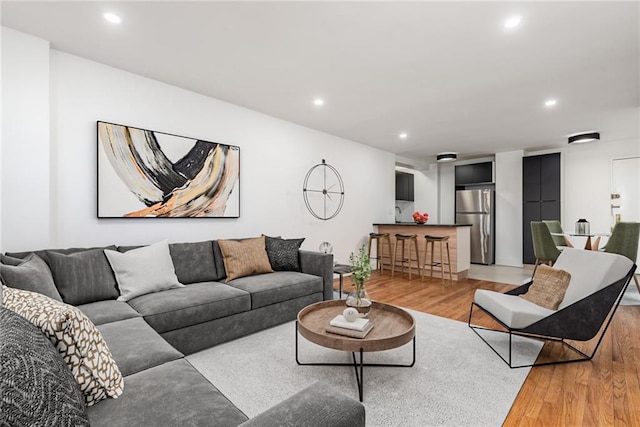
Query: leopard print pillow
x=76 y=338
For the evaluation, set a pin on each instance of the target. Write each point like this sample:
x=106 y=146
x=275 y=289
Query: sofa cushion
x=44 y=253
x=9 y=260
x=244 y=258
x=135 y=346
x=548 y=287
x=219 y=261
x=511 y=310
x=37 y=387
x=83 y=277
x=30 y=274
x=101 y=312
x=194 y=262
x=283 y=253
x=309 y=408
x=171 y=394
x=190 y=305
x=143 y=270
x=77 y=339
x=271 y=288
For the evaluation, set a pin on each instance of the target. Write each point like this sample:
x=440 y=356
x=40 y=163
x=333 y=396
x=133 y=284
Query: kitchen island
x=459 y=244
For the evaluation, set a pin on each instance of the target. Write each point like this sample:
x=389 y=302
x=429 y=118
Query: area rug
x=631 y=296
x=457 y=380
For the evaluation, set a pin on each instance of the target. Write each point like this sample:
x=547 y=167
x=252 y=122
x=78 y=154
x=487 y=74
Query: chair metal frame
x=569 y=323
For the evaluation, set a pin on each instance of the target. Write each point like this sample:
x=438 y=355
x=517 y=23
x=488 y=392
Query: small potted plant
x=360 y=273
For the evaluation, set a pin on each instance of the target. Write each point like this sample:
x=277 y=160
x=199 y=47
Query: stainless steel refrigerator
x=475 y=207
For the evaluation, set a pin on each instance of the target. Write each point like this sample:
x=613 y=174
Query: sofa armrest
x=316 y=405
x=319 y=264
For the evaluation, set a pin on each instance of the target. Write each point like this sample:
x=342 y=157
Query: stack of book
x=357 y=329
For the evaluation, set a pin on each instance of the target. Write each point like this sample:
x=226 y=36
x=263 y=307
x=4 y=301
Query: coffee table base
x=356 y=365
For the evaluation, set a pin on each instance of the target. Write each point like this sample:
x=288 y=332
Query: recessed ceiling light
x=512 y=22
x=403 y=135
x=318 y=102
x=112 y=17
x=550 y=102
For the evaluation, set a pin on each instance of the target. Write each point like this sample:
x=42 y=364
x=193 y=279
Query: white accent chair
x=598 y=281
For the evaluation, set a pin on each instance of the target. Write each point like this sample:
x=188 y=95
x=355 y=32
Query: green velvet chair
x=560 y=241
x=544 y=248
x=624 y=241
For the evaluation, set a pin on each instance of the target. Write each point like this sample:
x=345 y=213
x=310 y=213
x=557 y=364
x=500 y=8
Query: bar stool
x=411 y=238
x=380 y=239
x=432 y=240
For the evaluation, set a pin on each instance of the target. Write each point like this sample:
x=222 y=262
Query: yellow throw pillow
x=76 y=338
x=548 y=287
x=244 y=257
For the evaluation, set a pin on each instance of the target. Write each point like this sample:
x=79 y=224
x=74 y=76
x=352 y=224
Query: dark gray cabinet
x=404 y=186
x=540 y=196
x=476 y=173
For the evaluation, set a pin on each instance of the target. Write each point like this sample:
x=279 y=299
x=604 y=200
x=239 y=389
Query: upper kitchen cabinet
x=404 y=186
x=476 y=173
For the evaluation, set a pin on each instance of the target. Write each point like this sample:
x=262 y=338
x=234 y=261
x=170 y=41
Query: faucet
x=399 y=210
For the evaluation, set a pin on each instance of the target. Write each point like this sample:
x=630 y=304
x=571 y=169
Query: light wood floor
x=601 y=392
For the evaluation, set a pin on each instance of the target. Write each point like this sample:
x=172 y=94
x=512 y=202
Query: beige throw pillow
x=548 y=287
x=76 y=338
x=244 y=257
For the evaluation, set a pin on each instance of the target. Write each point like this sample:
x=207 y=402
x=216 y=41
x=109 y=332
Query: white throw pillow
x=144 y=270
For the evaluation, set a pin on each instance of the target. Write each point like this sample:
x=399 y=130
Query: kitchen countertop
x=422 y=225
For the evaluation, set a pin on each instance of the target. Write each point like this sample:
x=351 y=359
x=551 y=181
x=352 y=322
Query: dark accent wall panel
x=540 y=196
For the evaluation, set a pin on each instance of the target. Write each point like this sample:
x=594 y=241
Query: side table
x=341 y=270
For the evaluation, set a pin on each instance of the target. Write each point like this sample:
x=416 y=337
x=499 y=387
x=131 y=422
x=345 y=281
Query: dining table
x=588 y=244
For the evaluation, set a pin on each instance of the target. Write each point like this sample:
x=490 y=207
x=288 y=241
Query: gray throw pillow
x=283 y=253
x=193 y=262
x=144 y=270
x=43 y=253
x=9 y=260
x=37 y=386
x=30 y=274
x=83 y=277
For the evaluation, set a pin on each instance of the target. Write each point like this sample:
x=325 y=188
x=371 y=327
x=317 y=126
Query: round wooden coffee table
x=392 y=328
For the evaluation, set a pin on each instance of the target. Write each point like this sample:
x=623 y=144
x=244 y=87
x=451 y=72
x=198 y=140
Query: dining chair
x=558 y=235
x=624 y=241
x=544 y=248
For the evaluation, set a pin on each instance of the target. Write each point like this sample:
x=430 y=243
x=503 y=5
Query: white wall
x=509 y=208
x=426 y=192
x=275 y=156
x=447 y=193
x=25 y=166
x=587 y=181
x=425 y=184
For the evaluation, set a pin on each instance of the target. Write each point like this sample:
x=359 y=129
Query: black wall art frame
x=148 y=174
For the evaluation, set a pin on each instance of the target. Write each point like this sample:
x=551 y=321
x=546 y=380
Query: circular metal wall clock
x=323 y=191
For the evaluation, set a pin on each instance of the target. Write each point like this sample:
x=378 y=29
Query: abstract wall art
x=148 y=174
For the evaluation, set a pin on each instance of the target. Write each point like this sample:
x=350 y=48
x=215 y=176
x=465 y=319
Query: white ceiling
x=447 y=73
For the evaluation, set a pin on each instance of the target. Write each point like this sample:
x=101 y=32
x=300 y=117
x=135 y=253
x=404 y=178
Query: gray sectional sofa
x=149 y=335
